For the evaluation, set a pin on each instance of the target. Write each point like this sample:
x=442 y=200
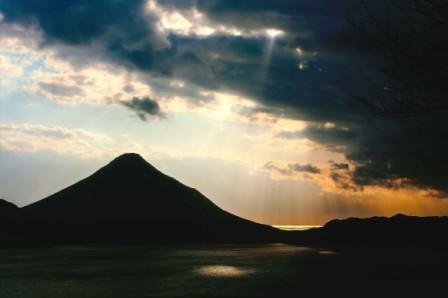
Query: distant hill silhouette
x=399 y=230
x=130 y=201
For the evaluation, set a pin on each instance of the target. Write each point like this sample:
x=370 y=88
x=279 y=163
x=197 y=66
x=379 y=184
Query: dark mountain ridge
x=7 y=208
x=130 y=201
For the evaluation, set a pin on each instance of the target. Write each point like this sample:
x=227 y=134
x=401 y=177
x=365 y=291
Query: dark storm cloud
x=390 y=153
x=144 y=107
x=412 y=150
x=286 y=11
x=119 y=28
x=344 y=181
x=333 y=137
x=313 y=23
x=293 y=168
x=306 y=168
x=73 y=21
x=335 y=68
x=123 y=32
x=339 y=166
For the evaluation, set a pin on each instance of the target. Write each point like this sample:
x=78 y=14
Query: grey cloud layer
x=122 y=32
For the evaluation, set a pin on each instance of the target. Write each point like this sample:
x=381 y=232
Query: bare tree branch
x=410 y=37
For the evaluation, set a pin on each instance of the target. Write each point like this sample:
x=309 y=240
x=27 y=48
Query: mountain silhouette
x=8 y=211
x=130 y=201
x=7 y=208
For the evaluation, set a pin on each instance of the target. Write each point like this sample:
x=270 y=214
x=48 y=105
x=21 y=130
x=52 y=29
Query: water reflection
x=327 y=252
x=223 y=271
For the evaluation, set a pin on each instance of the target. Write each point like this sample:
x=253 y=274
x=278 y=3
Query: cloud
x=79 y=22
x=402 y=152
x=292 y=168
x=332 y=136
x=235 y=59
x=128 y=33
x=60 y=90
x=339 y=166
x=389 y=153
x=344 y=181
x=144 y=107
x=97 y=83
x=306 y=168
x=84 y=144
x=8 y=68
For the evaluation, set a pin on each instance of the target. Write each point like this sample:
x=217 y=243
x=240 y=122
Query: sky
x=250 y=102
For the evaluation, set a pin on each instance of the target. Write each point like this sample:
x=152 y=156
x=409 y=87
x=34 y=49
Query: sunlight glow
x=295 y=228
x=273 y=33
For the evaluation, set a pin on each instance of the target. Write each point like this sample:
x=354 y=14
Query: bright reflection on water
x=245 y=260
x=327 y=252
x=223 y=271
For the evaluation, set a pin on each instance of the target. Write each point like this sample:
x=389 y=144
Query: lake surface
x=275 y=270
x=199 y=271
